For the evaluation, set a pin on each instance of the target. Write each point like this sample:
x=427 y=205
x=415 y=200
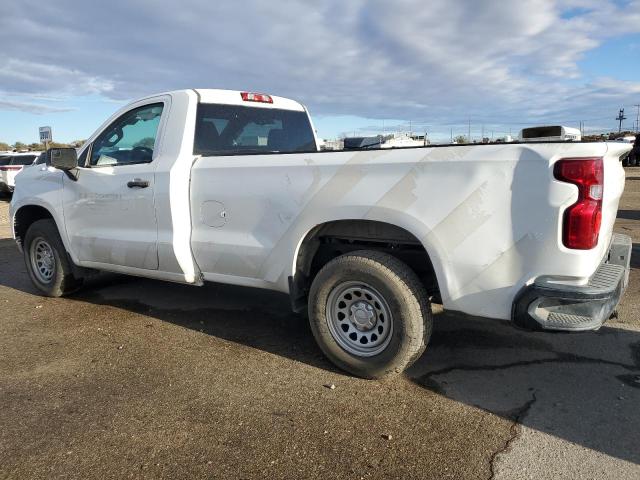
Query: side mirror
x=63 y=158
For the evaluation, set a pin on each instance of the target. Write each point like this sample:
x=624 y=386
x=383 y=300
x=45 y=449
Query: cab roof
x=235 y=97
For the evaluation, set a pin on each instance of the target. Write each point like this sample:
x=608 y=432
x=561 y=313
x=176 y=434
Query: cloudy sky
x=360 y=66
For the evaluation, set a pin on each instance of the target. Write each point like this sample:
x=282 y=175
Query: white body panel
x=109 y=223
x=489 y=216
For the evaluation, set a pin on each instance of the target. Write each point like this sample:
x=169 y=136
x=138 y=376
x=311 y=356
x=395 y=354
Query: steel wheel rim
x=43 y=260
x=359 y=318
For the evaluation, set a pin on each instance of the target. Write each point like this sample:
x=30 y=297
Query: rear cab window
x=238 y=129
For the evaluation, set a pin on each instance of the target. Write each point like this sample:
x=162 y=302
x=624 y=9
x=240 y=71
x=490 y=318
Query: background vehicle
x=632 y=159
x=11 y=165
x=552 y=133
x=211 y=185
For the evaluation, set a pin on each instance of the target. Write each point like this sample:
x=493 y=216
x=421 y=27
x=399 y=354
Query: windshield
x=235 y=129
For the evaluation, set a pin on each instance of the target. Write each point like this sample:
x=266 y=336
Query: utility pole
x=637 y=118
x=620 y=118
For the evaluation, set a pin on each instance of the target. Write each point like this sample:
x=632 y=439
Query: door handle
x=138 y=183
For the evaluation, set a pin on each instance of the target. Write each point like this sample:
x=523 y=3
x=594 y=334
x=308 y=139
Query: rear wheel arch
x=370 y=313
x=328 y=240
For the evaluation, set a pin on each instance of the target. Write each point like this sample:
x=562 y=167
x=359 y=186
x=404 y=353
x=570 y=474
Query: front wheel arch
x=25 y=216
x=43 y=247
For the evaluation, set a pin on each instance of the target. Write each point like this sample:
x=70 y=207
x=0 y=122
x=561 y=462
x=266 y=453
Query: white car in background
x=11 y=164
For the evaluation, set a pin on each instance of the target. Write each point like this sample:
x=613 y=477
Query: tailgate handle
x=137 y=182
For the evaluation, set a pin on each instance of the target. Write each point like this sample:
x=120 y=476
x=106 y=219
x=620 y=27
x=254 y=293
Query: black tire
x=404 y=296
x=61 y=281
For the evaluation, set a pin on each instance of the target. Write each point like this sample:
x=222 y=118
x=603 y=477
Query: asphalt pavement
x=134 y=378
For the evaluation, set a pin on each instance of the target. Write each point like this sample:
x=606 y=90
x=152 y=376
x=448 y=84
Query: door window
x=130 y=139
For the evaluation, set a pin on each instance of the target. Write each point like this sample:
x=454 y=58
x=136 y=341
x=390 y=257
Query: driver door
x=109 y=211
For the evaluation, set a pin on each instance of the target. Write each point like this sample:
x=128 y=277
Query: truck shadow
x=629 y=214
x=582 y=388
x=256 y=318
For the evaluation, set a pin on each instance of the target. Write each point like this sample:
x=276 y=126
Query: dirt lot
x=134 y=378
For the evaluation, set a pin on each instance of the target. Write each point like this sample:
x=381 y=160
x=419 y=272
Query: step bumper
x=550 y=305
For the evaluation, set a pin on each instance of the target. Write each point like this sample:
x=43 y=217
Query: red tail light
x=256 y=97
x=581 y=224
x=6 y=168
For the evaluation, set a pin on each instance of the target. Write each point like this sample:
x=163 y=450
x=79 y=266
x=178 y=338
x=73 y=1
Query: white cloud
x=24 y=76
x=30 y=107
x=440 y=60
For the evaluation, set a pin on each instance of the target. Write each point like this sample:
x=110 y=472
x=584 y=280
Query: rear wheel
x=47 y=261
x=369 y=313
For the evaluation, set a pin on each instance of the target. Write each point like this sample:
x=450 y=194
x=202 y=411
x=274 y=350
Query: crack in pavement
x=518 y=415
x=559 y=358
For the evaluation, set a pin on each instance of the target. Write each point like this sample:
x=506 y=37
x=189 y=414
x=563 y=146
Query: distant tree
x=4 y=146
x=78 y=143
x=595 y=138
x=460 y=139
x=20 y=146
x=627 y=133
x=147 y=142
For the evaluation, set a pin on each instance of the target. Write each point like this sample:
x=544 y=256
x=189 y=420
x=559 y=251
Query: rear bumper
x=550 y=305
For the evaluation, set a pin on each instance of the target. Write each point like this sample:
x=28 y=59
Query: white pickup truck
x=197 y=186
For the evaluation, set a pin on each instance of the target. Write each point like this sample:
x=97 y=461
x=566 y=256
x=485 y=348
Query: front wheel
x=369 y=313
x=47 y=261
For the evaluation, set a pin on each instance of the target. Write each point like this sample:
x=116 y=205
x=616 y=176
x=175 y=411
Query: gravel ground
x=133 y=378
